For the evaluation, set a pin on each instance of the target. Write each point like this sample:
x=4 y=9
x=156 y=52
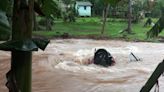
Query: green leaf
x=112 y=2
x=4 y=24
x=41 y=43
x=3 y=5
x=50 y=8
x=24 y=45
x=156 y=29
x=21 y=45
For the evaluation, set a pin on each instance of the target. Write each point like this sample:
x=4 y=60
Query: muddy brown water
x=63 y=66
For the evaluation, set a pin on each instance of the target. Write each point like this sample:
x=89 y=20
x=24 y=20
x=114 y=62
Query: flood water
x=63 y=66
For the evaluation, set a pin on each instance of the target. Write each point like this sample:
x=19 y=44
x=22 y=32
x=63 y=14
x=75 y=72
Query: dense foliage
x=4 y=24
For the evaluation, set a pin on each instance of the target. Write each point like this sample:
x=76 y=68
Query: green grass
x=91 y=27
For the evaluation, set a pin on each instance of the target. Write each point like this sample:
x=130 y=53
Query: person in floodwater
x=104 y=58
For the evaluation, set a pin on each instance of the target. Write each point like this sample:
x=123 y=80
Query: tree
x=68 y=10
x=159 y=25
x=156 y=29
x=129 y=29
x=105 y=13
x=149 y=5
x=49 y=10
x=104 y=17
x=5 y=28
x=67 y=2
x=93 y=2
x=21 y=45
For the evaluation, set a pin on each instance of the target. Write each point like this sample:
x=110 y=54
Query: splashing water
x=64 y=66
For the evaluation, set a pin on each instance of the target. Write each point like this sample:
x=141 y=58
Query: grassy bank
x=91 y=28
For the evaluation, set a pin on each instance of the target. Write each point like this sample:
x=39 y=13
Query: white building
x=83 y=8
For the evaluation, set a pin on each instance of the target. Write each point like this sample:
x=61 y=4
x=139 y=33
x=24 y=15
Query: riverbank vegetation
x=91 y=28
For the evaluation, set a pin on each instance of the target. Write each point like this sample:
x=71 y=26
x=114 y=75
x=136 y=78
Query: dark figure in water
x=103 y=58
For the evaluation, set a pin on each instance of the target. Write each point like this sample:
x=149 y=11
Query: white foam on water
x=75 y=67
x=82 y=58
x=124 y=70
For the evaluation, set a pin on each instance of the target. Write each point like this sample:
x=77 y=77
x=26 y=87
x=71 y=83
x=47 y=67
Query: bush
x=4 y=35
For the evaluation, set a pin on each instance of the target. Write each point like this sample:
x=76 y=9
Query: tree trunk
x=35 y=27
x=129 y=29
x=105 y=15
x=48 y=24
x=21 y=30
